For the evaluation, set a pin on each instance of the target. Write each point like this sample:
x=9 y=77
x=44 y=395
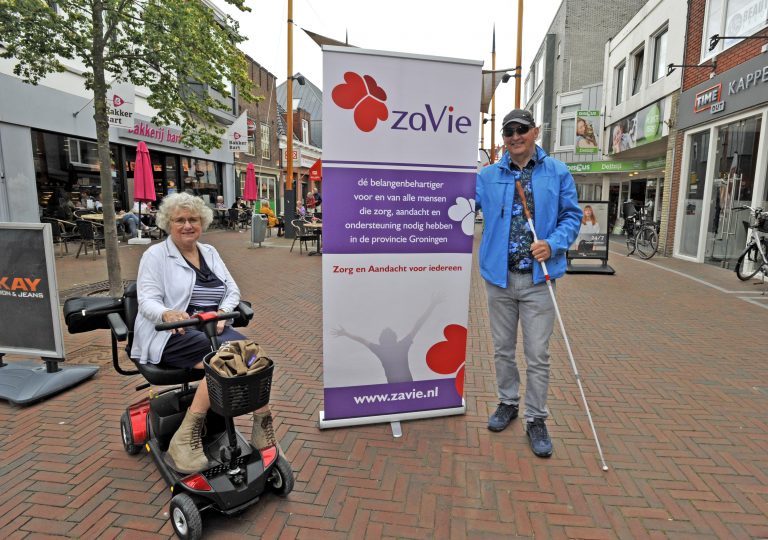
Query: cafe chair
x=89 y=234
x=302 y=235
x=233 y=219
x=60 y=234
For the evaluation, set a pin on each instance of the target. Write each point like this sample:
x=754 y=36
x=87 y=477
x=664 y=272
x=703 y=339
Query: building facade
x=721 y=153
x=263 y=148
x=564 y=87
x=640 y=98
x=307 y=110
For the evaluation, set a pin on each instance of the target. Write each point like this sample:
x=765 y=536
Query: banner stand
x=27 y=382
x=29 y=320
x=393 y=419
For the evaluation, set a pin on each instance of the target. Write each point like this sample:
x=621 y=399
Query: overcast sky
x=453 y=28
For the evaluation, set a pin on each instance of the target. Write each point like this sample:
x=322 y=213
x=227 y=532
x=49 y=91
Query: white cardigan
x=165 y=282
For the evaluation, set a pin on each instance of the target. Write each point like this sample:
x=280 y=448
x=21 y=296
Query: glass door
x=693 y=196
x=735 y=162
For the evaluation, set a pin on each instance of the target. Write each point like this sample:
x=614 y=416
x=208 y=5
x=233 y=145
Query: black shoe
x=538 y=437
x=502 y=417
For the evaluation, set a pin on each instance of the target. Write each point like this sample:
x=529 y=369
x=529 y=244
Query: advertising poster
x=399 y=169
x=645 y=126
x=587 y=132
x=237 y=134
x=592 y=241
x=29 y=300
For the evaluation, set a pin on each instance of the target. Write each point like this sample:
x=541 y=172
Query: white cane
x=521 y=193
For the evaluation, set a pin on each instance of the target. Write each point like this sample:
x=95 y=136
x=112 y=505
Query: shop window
x=202 y=177
x=659 y=55
x=638 y=58
x=67 y=174
x=732 y=18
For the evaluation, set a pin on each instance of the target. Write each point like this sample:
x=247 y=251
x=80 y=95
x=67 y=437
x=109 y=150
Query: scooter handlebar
x=198 y=319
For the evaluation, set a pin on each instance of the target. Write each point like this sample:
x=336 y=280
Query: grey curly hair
x=182 y=201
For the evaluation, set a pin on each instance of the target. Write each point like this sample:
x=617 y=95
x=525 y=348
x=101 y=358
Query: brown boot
x=185 y=453
x=263 y=434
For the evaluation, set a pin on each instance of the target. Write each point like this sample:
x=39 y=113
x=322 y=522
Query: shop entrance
x=732 y=186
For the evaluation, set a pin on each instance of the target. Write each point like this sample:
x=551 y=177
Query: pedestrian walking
x=515 y=283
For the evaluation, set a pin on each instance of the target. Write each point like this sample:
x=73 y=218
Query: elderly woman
x=177 y=278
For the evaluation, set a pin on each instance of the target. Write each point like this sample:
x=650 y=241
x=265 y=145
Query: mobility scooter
x=239 y=473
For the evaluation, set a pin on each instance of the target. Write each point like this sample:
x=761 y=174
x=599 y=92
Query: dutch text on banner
x=237 y=134
x=399 y=166
x=121 y=100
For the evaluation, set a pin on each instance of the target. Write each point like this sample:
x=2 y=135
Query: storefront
x=640 y=180
x=724 y=163
x=50 y=156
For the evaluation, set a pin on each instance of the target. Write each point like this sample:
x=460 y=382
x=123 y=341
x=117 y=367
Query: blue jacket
x=557 y=215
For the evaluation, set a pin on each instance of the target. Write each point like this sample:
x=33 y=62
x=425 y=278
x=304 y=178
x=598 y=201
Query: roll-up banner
x=400 y=136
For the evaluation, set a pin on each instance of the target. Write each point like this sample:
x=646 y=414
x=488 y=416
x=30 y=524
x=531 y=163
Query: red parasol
x=249 y=193
x=143 y=179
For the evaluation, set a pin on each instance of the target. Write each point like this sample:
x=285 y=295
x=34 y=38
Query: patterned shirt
x=520 y=236
x=208 y=291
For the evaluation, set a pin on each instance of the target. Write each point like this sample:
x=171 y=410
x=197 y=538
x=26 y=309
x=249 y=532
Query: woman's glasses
x=508 y=131
x=179 y=222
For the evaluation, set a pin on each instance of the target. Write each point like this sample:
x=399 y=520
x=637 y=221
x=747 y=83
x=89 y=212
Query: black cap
x=519 y=116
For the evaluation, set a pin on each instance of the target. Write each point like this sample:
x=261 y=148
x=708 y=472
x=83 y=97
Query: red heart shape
x=349 y=93
x=446 y=357
x=369 y=112
x=374 y=89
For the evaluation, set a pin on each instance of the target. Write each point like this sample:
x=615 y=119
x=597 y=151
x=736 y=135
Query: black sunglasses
x=522 y=129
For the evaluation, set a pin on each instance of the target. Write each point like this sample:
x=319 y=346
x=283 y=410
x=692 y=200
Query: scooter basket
x=233 y=396
x=762 y=223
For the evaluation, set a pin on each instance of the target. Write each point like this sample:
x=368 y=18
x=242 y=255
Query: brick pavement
x=674 y=370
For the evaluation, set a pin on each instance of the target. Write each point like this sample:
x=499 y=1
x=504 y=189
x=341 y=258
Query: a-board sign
x=592 y=241
x=29 y=303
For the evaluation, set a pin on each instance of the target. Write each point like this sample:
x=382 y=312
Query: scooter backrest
x=131 y=306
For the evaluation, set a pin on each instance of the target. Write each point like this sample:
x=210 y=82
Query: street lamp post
x=289 y=212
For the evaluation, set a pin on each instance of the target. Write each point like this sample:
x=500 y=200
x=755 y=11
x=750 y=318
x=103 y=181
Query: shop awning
x=316 y=171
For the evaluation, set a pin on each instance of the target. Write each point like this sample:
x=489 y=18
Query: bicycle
x=756 y=250
x=642 y=234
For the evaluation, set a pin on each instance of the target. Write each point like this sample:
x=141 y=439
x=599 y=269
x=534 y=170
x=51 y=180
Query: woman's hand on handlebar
x=176 y=316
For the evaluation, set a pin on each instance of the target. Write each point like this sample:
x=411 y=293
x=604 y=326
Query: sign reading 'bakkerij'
x=29 y=319
x=399 y=166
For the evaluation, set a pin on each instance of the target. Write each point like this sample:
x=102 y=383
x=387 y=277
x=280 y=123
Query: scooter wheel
x=185 y=518
x=127 y=435
x=281 y=477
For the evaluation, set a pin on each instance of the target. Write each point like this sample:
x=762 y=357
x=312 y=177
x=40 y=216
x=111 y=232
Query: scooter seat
x=164 y=375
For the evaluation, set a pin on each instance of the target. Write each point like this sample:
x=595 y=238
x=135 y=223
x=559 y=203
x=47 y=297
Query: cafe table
x=317 y=228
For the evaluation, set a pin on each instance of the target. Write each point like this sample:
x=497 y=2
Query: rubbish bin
x=258 y=228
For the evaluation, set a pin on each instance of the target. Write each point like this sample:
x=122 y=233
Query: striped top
x=208 y=290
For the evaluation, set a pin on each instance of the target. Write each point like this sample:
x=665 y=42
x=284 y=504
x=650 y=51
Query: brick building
x=720 y=159
x=263 y=150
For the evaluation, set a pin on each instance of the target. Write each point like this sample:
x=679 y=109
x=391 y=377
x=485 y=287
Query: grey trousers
x=532 y=307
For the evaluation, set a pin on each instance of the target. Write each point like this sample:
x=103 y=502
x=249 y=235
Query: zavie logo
x=367 y=99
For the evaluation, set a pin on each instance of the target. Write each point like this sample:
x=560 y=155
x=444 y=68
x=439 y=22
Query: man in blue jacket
x=515 y=283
